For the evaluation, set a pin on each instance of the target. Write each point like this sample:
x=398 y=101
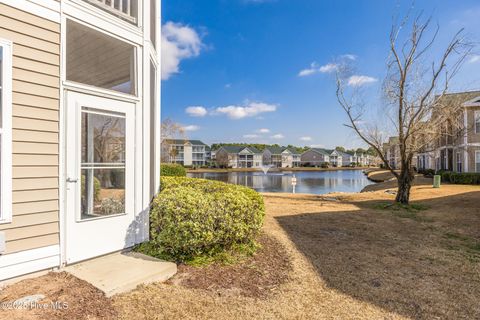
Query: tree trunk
x=404 y=185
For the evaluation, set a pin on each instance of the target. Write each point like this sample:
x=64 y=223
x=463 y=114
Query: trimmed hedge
x=193 y=217
x=427 y=172
x=172 y=170
x=460 y=178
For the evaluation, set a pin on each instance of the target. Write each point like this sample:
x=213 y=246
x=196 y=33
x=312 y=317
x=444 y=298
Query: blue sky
x=257 y=70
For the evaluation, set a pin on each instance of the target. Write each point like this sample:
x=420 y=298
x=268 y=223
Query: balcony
x=124 y=9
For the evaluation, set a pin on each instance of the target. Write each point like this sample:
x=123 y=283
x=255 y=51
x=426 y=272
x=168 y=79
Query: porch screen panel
x=96 y=59
x=102 y=164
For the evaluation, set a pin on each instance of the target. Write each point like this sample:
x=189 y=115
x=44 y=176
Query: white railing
x=121 y=8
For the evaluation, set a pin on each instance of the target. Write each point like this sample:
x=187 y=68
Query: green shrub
x=172 y=170
x=427 y=172
x=96 y=187
x=460 y=178
x=195 y=218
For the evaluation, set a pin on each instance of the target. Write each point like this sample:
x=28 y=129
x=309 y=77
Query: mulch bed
x=258 y=276
x=75 y=298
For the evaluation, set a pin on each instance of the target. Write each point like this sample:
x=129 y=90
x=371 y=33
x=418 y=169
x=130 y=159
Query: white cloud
x=250 y=136
x=349 y=57
x=317 y=146
x=191 y=128
x=196 y=111
x=278 y=136
x=328 y=68
x=251 y=109
x=314 y=68
x=357 y=81
x=264 y=130
x=178 y=42
x=306 y=138
x=474 y=58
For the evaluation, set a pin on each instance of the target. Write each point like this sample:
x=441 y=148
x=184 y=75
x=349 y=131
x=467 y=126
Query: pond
x=314 y=182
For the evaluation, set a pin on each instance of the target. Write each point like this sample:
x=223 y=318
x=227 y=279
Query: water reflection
x=314 y=182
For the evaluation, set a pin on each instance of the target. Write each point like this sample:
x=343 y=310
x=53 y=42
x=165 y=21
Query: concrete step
x=122 y=271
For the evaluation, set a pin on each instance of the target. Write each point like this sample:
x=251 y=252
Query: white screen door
x=100 y=135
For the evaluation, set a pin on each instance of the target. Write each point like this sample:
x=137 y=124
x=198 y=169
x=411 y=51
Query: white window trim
x=6 y=137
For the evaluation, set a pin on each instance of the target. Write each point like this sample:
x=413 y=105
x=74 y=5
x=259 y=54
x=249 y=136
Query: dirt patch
x=419 y=180
x=380 y=175
x=65 y=297
x=258 y=276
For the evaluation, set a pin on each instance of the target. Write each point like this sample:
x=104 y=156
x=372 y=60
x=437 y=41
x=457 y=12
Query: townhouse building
x=459 y=149
x=281 y=157
x=315 y=157
x=186 y=152
x=239 y=157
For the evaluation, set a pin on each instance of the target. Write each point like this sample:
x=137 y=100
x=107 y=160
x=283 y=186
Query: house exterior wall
x=35 y=110
x=473 y=137
x=267 y=157
x=287 y=160
x=187 y=155
x=32 y=237
x=257 y=160
x=313 y=157
x=472 y=152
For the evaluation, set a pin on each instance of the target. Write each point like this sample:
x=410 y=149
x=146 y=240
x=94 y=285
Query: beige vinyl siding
x=36 y=57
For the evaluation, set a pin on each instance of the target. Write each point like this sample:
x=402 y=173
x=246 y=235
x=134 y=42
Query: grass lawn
x=353 y=259
x=348 y=256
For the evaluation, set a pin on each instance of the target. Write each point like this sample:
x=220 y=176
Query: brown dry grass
x=351 y=261
x=76 y=299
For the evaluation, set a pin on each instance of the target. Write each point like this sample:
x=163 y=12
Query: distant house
x=315 y=157
x=238 y=157
x=186 y=152
x=281 y=157
x=341 y=159
x=391 y=151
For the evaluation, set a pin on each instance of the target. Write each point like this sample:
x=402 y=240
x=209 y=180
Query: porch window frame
x=92 y=89
x=6 y=132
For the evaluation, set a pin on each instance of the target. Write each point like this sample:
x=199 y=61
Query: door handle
x=70 y=180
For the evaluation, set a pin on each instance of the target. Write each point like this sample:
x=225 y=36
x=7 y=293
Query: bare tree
x=416 y=103
x=170 y=130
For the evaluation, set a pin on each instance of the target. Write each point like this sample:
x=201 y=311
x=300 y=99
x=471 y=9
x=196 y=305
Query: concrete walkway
x=123 y=271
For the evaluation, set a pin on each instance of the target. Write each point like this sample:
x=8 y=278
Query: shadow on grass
x=420 y=262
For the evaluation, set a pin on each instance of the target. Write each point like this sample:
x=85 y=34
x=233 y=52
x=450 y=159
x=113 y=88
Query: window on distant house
x=99 y=60
x=477 y=121
x=5 y=131
x=477 y=161
x=459 y=162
